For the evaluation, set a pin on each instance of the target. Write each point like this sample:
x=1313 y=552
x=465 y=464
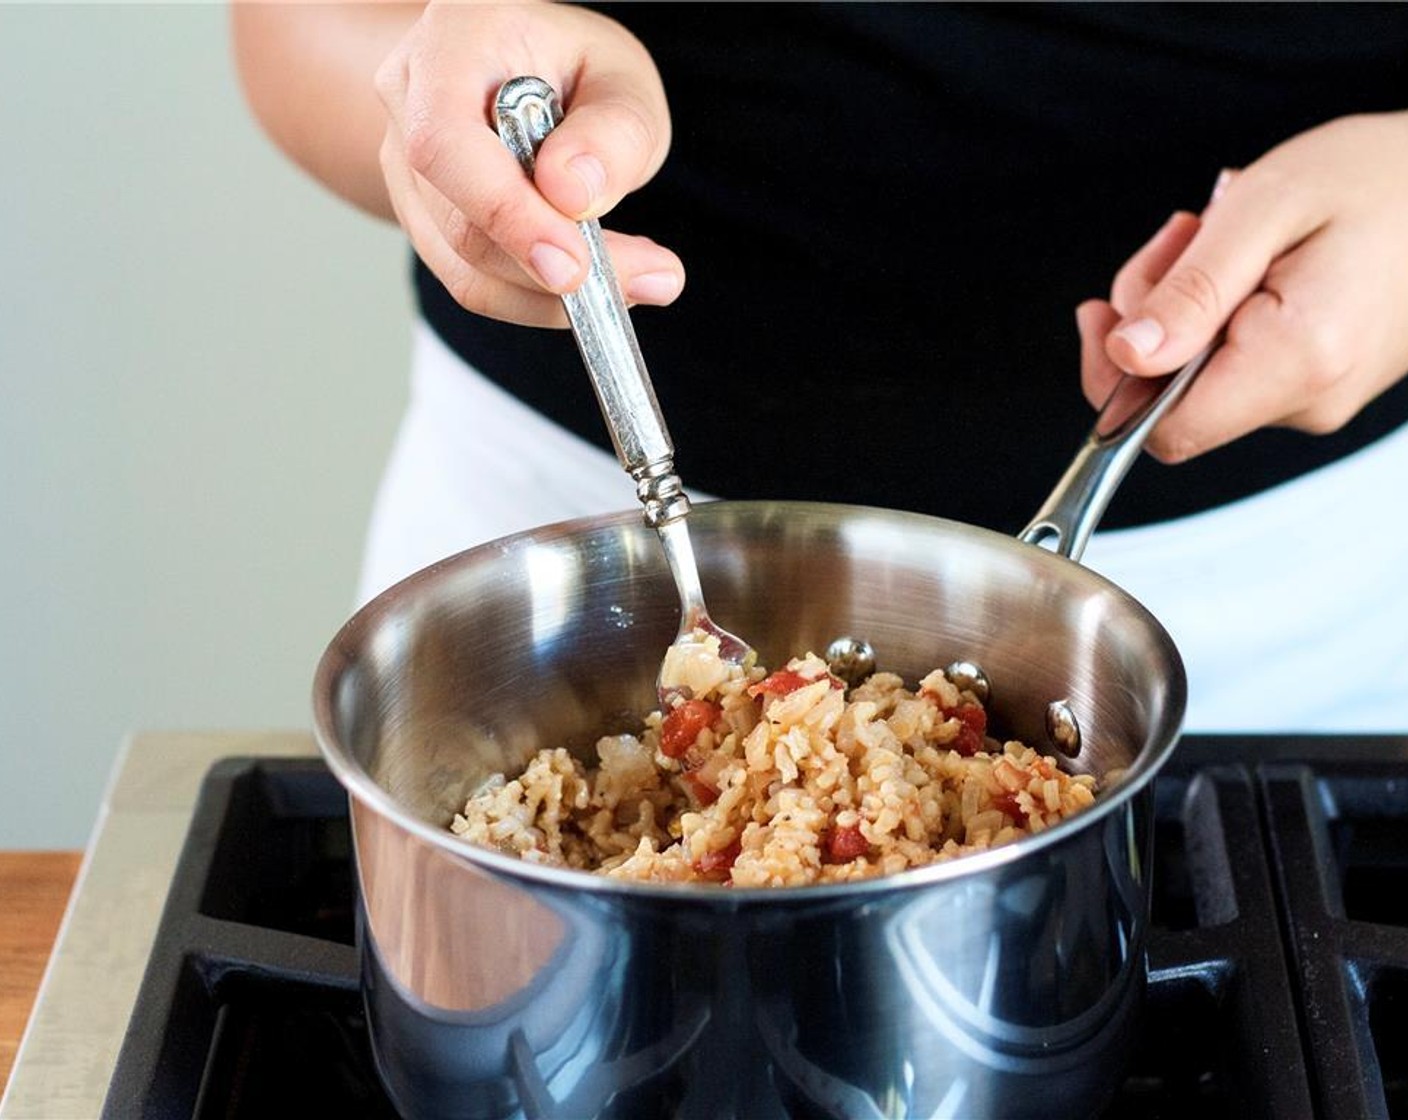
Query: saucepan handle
x=1069 y=515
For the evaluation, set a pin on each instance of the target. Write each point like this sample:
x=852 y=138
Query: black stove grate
x=1278 y=953
x=1219 y=1037
x=1339 y=835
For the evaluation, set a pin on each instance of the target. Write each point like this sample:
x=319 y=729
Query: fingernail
x=1144 y=335
x=592 y=176
x=1224 y=178
x=555 y=267
x=653 y=287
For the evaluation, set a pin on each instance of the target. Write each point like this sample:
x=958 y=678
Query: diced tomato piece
x=682 y=726
x=1006 y=802
x=975 y=726
x=845 y=844
x=718 y=864
x=705 y=792
x=779 y=683
x=786 y=681
x=968 y=743
x=972 y=715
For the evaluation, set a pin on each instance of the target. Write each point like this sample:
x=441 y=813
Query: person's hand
x=1303 y=256
x=501 y=246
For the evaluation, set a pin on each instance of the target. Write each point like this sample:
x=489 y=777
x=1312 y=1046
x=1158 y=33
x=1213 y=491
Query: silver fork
x=526 y=110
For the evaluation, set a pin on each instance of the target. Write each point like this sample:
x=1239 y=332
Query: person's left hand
x=1303 y=257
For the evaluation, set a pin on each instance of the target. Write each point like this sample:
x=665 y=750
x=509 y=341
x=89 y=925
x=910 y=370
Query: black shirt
x=888 y=214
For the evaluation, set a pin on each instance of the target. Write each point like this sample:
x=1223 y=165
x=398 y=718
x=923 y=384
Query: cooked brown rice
x=779 y=779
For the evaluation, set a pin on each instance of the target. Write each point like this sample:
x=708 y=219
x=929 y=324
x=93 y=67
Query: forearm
x=307 y=72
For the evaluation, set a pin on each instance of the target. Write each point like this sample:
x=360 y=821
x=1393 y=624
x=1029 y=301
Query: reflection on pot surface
x=1008 y=994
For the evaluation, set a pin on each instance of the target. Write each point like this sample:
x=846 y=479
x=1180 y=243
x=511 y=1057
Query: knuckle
x=1326 y=362
x=1127 y=289
x=388 y=156
x=1327 y=367
x=1325 y=380
x=635 y=129
x=1323 y=421
x=497 y=215
x=640 y=130
x=425 y=146
x=1326 y=414
x=1312 y=355
x=1190 y=284
x=390 y=77
x=467 y=287
x=461 y=235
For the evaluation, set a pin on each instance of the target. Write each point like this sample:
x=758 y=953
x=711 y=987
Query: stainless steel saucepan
x=1003 y=984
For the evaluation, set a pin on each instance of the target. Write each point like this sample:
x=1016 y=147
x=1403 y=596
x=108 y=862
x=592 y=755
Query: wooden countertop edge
x=34 y=891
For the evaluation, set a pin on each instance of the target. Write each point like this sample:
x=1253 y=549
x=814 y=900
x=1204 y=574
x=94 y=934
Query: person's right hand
x=502 y=246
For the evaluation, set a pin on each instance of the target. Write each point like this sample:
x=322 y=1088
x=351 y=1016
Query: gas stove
x=1278 y=952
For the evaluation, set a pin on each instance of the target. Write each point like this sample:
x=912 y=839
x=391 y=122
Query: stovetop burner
x=1278 y=951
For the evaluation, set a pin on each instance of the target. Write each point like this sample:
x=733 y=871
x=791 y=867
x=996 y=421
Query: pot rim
x=1160 y=743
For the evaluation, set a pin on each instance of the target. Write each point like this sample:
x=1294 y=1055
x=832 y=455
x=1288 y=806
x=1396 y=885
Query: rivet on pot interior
x=968 y=676
x=851 y=659
x=1062 y=728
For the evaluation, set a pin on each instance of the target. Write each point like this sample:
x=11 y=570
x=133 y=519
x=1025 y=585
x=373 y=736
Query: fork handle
x=526 y=110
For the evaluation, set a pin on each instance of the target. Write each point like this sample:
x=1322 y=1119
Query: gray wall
x=202 y=361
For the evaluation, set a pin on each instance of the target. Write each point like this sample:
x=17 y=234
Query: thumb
x=1249 y=227
x=612 y=139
